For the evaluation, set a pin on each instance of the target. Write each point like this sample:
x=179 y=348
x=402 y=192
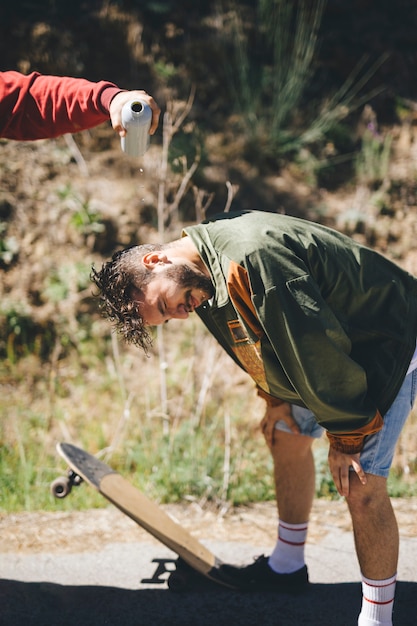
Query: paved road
x=35 y=604
x=114 y=583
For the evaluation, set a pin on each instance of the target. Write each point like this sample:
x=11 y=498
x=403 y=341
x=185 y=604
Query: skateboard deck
x=142 y=510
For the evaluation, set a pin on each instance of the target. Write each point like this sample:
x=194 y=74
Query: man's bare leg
x=294 y=482
x=377 y=544
x=374 y=526
x=294 y=476
x=294 y=486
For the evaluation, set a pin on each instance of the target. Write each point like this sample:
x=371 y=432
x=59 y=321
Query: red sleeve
x=40 y=107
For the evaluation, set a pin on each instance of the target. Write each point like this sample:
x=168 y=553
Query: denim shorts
x=378 y=451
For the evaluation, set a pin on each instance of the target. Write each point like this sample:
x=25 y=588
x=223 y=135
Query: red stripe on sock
x=291 y=543
x=303 y=529
x=376 y=602
x=381 y=586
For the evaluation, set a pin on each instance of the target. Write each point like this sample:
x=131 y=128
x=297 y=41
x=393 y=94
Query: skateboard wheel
x=61 y=487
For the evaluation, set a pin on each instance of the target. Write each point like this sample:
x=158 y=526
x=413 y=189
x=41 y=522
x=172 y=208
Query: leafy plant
x=269 y=95
x=20 y=335
x=85 y=218
x=373 y=160
x=291 y=32
x=9 y=247
x=66 y=279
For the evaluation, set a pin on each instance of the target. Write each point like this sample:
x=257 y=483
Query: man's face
x=174 y=291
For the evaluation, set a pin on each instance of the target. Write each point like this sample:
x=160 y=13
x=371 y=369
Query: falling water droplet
x=141 y=172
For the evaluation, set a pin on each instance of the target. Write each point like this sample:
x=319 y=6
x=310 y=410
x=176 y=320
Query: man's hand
x=339 y=464
x=118 y=102
x=276 y=414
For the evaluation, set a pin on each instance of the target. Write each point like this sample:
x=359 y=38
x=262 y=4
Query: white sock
x=288 y=554
x=377 y=602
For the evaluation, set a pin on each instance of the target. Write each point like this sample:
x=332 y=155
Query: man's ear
x=151 y=259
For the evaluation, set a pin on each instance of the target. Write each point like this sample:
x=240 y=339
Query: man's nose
x=178 y=313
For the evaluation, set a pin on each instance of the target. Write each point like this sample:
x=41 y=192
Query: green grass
x=106 y=398
x=188 y=464
x=112 y=406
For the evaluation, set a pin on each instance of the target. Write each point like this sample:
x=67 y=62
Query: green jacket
x=315 y=318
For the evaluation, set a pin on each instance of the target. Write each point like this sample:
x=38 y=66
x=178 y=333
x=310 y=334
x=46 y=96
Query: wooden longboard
x=138 y=507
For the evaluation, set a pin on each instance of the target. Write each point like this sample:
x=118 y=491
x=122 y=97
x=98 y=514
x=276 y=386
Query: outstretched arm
x=37 y=106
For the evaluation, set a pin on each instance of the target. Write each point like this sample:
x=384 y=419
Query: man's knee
x=364 y=500
x=290 y=445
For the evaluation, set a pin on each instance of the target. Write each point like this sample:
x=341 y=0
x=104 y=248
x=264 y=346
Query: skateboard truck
x=63 y=485
x=161 y=569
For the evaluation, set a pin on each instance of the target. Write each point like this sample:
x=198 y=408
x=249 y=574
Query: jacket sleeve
x=351 y=443
x=39 y=107
x=314 y=352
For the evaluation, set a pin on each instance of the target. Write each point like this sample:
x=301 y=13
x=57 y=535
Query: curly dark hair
x=118 y=281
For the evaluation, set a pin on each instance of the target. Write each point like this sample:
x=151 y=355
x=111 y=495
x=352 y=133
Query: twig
x=230 y=195
x=76 y=153
x=206 y=384
x=125 y=417
x=202 y=201
x=163 y=366
x=226 y=461
x=187 y=108
x=183 y=187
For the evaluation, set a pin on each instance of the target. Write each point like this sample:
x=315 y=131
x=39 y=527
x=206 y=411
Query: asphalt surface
x=118 y=584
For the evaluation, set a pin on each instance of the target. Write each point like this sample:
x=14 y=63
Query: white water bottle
x=136 y=119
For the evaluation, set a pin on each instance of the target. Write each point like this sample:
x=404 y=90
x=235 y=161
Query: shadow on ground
x=42 y=603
